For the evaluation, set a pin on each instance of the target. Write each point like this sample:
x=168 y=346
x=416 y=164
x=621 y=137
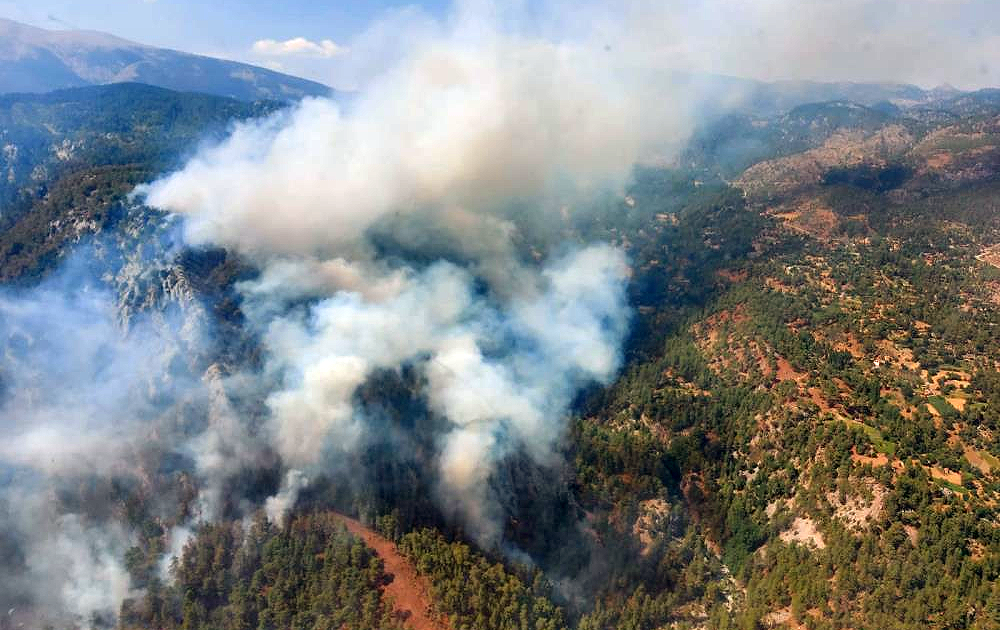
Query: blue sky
x=208 y=24
x=225 y=28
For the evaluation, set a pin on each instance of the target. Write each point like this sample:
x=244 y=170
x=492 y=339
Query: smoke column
x=433 y=158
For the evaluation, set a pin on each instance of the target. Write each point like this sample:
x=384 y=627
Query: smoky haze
x=421 y=228
x=88 y=407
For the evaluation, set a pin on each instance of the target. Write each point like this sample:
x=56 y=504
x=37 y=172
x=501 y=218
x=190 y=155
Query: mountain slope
x=45 y=137
x=804 y=434
x=39 y=60
x=826 y=410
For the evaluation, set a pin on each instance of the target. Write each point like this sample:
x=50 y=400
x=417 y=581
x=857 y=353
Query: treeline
x=308 y=574
x=472 y=592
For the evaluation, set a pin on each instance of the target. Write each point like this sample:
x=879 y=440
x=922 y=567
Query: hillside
x=39 y=60
x=62 y=150
x=803 y=433
x=823 y=410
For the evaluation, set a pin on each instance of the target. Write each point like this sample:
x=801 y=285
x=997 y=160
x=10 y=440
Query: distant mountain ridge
x=39 y=60
x=722 y=94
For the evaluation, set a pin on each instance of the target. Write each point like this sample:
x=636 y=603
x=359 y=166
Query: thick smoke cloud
x=463 y=126
x=386 y=239
x=503 y=374
x=386 y=234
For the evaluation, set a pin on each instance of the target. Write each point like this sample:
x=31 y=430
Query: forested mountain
x=70 y=156
x=803 y=433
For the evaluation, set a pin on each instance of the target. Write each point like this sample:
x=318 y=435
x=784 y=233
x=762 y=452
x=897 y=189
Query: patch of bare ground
x=772 y=508
x=889 y=353
x=710 y=328
x=857 y=511
x=875 y=462
x=782 y=619
x=803 y=530
x=991 y=290
x=957 y=379
x=651 y=512
x=906 y=359
x=816 y=395
x=764 y=365
x=936 y=472
x=809 y=216
x=977 y=550
x=851 y=345
x=940 y=160
x=976 y=459
x=678 y=382
x=946 y=475
x=786 y=372
x=957 y=155
x=777 y=285
x=728 y=350
x=409 y=591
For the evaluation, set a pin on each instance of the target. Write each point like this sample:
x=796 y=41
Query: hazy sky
x=200 y=25
x=928 y=42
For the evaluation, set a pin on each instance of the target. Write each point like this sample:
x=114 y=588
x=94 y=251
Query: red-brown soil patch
x=976 y=459
x=410 y=591
x=946 y=475
x=817 y=397
x=875 y=462
x=786 y=372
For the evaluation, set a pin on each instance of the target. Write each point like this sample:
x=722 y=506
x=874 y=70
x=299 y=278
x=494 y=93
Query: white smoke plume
x=177 y=540
x=468 y=122
x=471 y=122
x=433 y=156
x=503 y=374
x=277 y=507
x=57 y=427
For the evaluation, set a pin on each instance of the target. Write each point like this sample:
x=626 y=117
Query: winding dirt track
x=410 y=592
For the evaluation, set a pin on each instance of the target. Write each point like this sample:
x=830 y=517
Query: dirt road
x=409 y=591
